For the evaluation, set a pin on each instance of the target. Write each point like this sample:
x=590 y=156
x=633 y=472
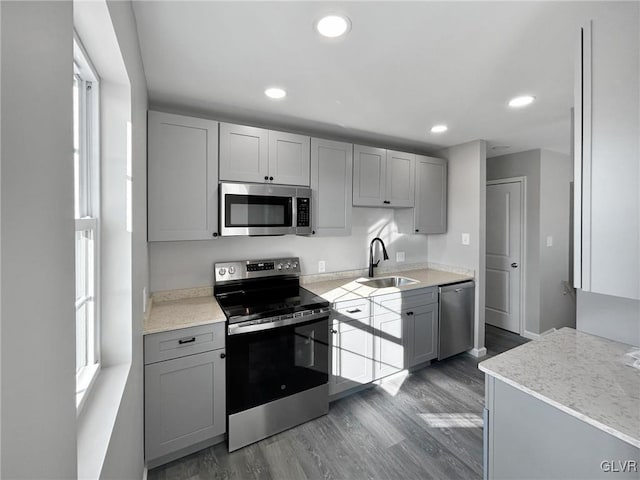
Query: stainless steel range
x=277 y=348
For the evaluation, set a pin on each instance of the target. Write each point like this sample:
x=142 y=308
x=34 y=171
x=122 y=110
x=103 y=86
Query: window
x=86 y=210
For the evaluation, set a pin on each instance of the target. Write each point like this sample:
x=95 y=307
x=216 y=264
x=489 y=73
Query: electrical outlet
x=549 y=241
x=466 y=239
x=321 y=266
x=399 y=256
x=144 y=299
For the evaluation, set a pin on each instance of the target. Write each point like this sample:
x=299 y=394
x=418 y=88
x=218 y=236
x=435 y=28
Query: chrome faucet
x=384 y=255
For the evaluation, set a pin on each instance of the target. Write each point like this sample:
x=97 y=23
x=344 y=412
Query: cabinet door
x=388 y=344
x=289 y=162
x=244 y=155
x=431 y=195
x=183 y=177
x=352 y=354
x=184 y=402
x=400 y=184
x=606 y=151
x=369 y=173
x=422 y=333
x=331 y=184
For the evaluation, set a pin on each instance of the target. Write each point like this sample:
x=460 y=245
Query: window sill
x=97 y=419
x=84 y=384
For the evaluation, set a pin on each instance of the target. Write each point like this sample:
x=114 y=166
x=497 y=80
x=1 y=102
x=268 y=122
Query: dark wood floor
x=426 y=425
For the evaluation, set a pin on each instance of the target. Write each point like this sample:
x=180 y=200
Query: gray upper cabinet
x=289 y=158
x=369 y=173
x=606 y=152
x=182 y=177
x=382 y=178
x=399 y=180
x=430 y=212
x=257 y=155
x=331 y=183
x=244 y=153
x=431 y=195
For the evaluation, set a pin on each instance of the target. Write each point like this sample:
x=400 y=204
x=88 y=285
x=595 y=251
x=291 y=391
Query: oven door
x=248 y=209
x=266 y=365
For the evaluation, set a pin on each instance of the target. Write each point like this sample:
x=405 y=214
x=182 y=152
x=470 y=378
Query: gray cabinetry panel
x=184 y=402
x=331 y=184
x=528 y=438
x=369 y=176
x=422 y=334
x=352 y=353
x=289 y=158
x=182 y=177
x=183 y=342
x=400 y=185
x=244 y=153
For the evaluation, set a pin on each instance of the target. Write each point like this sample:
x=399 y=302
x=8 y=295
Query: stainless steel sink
x=384 y=282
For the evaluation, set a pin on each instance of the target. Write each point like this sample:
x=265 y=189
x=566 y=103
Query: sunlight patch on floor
x=452 y=420
x=393 y=384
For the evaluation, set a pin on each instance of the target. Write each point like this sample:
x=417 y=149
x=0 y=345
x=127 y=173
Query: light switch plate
x=321 y=266
x=466 y=239
x=399 y=256
x=549 y=241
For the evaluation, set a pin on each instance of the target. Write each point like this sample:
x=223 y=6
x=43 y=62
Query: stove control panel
x=247 y=269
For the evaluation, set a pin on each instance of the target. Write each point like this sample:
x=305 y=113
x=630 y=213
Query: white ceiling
x=404 y=67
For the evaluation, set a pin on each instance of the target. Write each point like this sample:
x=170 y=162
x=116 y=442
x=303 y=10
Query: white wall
x=547 y=304
x=610 y=317
x=125 y=454
x=38 y=420
x=557 y=307
x=190 y=264
x=526 y=164
x=466 y=203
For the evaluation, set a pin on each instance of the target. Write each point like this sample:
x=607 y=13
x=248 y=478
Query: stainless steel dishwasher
x=456 y=319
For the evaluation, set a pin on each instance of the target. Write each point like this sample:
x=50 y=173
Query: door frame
x=523 y=244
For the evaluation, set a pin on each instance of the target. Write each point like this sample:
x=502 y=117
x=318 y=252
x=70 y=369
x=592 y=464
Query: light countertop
x=349 y=289
x=581 y=374
x=183 y=313
x=192 y=307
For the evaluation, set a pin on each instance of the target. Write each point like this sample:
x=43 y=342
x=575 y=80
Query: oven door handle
x=239 y=328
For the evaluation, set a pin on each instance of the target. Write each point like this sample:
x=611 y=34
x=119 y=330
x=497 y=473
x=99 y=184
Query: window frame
x=87 y=216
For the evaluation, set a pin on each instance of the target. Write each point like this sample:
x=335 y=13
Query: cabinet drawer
x=359 y=308
x=183 y=342
x=395 y=302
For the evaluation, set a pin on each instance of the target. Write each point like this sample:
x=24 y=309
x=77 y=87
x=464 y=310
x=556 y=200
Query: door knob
x=514 y=265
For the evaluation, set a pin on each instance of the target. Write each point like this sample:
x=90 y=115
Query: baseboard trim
x=537 y=336
x=478 y=352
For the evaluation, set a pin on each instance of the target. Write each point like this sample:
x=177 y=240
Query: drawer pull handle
x=187 y=340
x=334 y=331
x=223 y=355
x=355 y=310
x=409 y=313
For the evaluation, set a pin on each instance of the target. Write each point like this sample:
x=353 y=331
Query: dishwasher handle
x=457 y=287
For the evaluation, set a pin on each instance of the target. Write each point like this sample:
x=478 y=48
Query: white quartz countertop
x=581 y=374
x=175 y=309
x=349 y=289
x=183 y=313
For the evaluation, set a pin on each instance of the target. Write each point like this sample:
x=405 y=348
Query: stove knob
x=295 y=264
x=279 y=266
x=287 y=266
x=222 y=271
x=232 y=270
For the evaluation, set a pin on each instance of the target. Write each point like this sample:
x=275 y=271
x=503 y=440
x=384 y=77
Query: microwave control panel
x=303 y=212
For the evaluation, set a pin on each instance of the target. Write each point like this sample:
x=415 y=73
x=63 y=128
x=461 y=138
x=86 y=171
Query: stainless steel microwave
x=257 y=209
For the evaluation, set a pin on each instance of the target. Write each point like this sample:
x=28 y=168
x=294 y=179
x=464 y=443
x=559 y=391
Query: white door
x=504 y=240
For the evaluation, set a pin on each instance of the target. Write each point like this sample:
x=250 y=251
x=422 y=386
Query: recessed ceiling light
x=275 y=93
x=439 y=128
x=521 y=101
x=333 y=26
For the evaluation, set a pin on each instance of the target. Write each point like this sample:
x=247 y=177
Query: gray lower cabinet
x=421 y=334
x=528 y=438
x=185 y=394
x=382 y=335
